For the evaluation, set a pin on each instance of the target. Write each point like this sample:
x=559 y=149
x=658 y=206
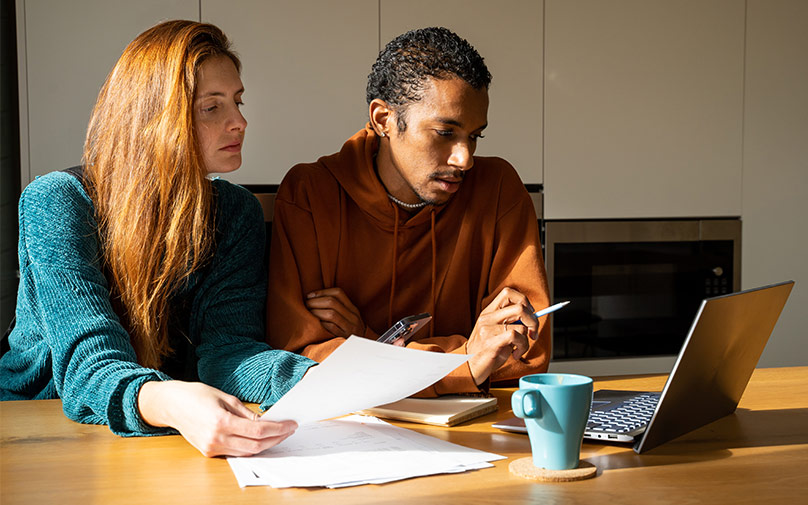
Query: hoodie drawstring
x=395 y=260
x=434 y=271
x=434 y=274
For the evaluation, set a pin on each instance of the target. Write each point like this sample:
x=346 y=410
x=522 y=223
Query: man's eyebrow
x=448 y=121
x=455 y=122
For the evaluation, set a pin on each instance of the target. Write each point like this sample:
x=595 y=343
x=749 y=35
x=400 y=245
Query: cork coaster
x=524 y=467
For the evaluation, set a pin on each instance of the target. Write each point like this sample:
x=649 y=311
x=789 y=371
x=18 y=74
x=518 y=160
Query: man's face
x=427 y=161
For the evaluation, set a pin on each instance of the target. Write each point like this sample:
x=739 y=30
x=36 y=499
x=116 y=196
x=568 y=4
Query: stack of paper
x=354 y=450
x=357 y=450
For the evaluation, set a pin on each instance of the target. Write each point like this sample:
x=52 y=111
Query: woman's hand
x=494 y=338
x=214 y=422
x=336 y=312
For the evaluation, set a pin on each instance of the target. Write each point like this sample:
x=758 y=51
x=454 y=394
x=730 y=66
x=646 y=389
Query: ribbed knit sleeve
x=228 y=311
x=68 y=340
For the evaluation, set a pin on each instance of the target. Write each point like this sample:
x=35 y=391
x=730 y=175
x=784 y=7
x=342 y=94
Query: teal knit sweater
x=68 y=341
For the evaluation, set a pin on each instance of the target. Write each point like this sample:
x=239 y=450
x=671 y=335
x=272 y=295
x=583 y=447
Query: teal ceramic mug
x=555 y=408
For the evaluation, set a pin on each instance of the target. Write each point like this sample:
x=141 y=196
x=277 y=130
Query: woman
x=136 y=268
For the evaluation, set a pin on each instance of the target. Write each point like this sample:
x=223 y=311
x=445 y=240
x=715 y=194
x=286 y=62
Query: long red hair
x=145 y=175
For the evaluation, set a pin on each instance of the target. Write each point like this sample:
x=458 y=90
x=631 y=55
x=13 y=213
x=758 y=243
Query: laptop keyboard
x=627 y=416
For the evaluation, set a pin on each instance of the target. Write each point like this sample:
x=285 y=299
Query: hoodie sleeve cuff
x=460 y=379
x=370 y=334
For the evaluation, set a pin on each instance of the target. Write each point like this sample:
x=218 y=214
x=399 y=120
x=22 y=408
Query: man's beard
x=435 y=176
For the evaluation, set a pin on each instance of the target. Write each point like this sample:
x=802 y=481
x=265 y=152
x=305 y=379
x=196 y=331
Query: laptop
x=711 y=372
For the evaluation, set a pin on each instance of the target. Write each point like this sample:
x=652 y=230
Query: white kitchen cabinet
x=643 y=108
x=622 y=109
x=775 y=175
x=65 y=51
x=508 y=35
x=305 y=67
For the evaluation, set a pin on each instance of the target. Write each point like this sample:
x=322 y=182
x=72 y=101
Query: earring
x=382 y=134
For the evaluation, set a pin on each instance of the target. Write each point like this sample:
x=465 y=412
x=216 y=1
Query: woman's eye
x=239 y=103
x=209 y=109
x=477 y=136
x=445 y=133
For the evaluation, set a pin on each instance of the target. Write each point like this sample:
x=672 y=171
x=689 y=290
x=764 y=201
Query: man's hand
x=494 y=337
x=336 y=312
x=216 y=423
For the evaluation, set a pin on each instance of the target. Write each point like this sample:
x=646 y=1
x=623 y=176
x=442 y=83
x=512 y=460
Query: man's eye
x=477 y=136
x=445 y=133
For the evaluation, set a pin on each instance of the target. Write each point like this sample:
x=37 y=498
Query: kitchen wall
x=767 y=128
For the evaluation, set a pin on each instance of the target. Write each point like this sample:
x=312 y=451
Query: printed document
x=352 y=451
x=361 y=374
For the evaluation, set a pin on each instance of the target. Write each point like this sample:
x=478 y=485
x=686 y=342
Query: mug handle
x=525 y=403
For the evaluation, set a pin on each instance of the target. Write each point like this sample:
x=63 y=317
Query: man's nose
x=462 y=156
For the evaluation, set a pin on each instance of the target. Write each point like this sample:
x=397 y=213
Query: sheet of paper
x=361 y=374
x=352 y=451
x=244 y=475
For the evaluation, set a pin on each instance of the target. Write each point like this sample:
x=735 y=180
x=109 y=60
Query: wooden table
x=759 y=454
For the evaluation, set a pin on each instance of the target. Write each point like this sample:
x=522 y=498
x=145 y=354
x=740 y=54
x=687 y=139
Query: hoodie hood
x=354 y=168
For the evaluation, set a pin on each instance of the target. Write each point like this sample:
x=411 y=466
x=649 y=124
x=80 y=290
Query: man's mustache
x=459 y=174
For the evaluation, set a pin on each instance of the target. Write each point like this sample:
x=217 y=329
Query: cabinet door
x=508 y=34
x=65 y=51
x=305 y=67
x=775 y=175
x=643 y=108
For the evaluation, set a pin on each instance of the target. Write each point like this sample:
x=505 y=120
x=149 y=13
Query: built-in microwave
x=634 y=287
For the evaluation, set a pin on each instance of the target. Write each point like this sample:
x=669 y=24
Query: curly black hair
x=400 y=72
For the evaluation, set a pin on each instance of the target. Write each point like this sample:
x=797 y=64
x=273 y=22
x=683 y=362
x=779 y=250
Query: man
x=405 y=220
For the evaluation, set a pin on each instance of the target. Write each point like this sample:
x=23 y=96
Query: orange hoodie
x=335 y=227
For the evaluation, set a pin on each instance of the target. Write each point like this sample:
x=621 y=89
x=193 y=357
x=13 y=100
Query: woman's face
x=217 y=119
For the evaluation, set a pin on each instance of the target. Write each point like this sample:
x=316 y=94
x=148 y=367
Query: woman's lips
x=233 y=148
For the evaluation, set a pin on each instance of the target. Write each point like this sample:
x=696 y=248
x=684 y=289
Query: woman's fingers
x=214 y=422
x=248 y=437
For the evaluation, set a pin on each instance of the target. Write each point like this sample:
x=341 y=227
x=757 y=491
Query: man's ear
x=381 y=117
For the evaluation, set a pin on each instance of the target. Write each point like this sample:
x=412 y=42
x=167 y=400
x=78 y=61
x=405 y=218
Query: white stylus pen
x=544 y=312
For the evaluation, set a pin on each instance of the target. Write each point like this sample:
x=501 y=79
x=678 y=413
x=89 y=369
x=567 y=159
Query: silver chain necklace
x=406 y=205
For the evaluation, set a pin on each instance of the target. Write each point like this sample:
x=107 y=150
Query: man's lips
x=450 y=185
